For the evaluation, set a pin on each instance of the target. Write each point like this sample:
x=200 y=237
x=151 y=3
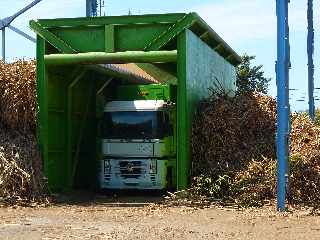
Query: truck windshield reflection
x=135 y=125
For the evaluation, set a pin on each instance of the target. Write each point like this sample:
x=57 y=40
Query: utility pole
x=91 y=8
x=4 y=44
x=310 y=46
x=283 y=108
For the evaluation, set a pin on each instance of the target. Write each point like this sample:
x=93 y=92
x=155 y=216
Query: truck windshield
x=135 y=125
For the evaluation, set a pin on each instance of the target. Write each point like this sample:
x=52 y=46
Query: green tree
x=251 y=78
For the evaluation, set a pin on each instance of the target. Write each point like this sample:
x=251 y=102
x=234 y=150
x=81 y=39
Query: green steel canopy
x=129 y=33
x=75 y=63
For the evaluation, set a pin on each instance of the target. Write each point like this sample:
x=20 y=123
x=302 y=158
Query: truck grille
x=127 y=173
x=131 y=169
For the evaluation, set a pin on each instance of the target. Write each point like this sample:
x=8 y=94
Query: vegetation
x=251 y=78
x=234 y=155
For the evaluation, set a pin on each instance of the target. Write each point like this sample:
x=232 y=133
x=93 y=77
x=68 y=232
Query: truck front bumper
x=146 y=174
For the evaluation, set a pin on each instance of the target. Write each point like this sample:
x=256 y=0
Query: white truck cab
x=135 y=145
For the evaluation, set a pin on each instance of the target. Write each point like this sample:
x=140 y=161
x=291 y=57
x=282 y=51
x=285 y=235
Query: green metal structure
x=178 y=49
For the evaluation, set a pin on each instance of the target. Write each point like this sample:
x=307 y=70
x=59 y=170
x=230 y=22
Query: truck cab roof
x=137 y=105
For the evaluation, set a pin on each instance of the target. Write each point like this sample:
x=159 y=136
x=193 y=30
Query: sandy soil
x=140 y=220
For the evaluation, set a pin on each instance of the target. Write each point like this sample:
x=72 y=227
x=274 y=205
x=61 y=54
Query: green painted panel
x=56 y=160
x=125 y=37
x=83 y=157
x=83 y=39
x=136 y=37
x=145 y=92
x=199 y=68
x=59 y=164
x=56 y=123
x=56 y=171
x=206 y=68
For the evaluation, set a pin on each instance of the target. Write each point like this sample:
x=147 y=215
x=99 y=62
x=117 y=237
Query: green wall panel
x=83 y=39
x=136 y=37
x=199 y=68
x=60 y=154
x=126 y=37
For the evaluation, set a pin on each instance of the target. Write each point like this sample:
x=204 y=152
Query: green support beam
x=51 y=38
x=119 y=20
x=174 y=30
x=109 y=39
x=195 y=23
x=118 y=57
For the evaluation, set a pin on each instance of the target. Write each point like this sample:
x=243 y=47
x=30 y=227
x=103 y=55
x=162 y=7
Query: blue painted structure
x=283 y=108
x=91 y=8
x=310 y=60
x=94 y=8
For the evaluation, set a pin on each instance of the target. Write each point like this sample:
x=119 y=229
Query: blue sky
x=249 y=26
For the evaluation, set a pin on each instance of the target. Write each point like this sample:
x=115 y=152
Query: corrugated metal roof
x=132 y=72
x=135 y=70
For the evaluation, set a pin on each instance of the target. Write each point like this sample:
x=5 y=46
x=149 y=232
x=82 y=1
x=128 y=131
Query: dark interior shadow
x=119 y=198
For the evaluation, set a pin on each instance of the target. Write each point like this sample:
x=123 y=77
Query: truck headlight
x=153 y=166
x=107 y=166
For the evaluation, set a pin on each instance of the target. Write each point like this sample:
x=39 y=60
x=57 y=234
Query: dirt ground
x=142 y=219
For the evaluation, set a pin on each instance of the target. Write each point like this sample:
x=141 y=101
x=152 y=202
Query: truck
x=137 y=139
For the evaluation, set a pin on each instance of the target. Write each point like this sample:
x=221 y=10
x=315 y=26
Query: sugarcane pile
x=234 y=155
x=305 y=161
x=238 y=129
x=17 y=95
x=20 y=168
x=21 y=177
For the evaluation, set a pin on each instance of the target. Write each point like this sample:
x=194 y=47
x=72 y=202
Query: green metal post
x=69 y=124
x=42 y=98
x=81 y=131
x=109 y=38
x=182 y=128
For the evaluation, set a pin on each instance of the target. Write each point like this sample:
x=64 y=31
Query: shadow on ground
x=109 y=198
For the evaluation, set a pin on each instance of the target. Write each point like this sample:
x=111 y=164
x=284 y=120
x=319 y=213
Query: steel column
x=283 y=108
x=23 y=10
x=310 y=47
x=69 y=125
x=4 y=44
x=23 y=34
x=91 y=8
